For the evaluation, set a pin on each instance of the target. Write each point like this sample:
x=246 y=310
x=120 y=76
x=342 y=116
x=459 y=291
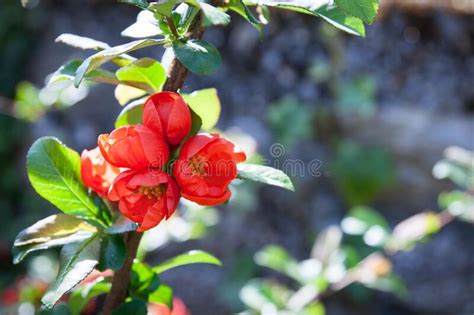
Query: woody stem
x=121 y=279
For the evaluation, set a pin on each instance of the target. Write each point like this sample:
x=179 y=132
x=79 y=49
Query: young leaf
x=145 y=26
x=264 y=174
x=213 y=16
x=112 y=252
x=363 y=9
x=239 y=7
x=131 y=114
x=95 y=61
x=207 y=105
x=145 y=71
x=191 y=257
x=199 y=56
x=77 y=261
x=54 y=172
x=134 y=307
x=163 y=295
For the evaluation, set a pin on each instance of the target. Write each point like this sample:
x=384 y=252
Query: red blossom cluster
x=132 y=165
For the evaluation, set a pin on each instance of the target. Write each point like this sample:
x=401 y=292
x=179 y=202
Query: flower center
x=152 y=191
x=198 y=165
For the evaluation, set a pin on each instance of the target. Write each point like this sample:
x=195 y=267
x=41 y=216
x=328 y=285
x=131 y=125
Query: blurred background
x=369 y=118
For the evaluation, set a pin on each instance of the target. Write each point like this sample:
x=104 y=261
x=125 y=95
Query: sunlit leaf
x=124 y=93
x=163 y=295
x=95 y=61
x=207 y=105
x=363 y=9
x=77 y=261
x=145 y=71
x=131 y=114
x=239 y=7
x=143 y=4
x=264 y=174
x=145 y=26
x=191 y=257
x=213 y=16
x=81 y=42
x=54 y=172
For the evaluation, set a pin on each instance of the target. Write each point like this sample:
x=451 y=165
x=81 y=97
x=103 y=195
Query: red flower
x=96 y=173
x=135 y=147
x=205 y=167
x=168 y=114
x=145 y=197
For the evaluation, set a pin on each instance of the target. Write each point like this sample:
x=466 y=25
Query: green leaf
x=112 y=252
x=81 y=296
x=81 y=42
x=54 y=172
x=121 y=226
x=67 y=72
x=191 y=257
x=206 y=104
x=95 y=61
x=55 y=230
x=143 y=280
x=53 y=227
x=363 y=9
x=77 y=261
x=278 y=259
x=338 y=19
x=145 y=26
x=131 y=114
x=145 y=71
x=199 y=56
x=239 y=7
x=134 y=307
x=143 y=4
x=459 y=204
x=163 y=7
x=264 y=174
x=213 y=15
x=163 y=295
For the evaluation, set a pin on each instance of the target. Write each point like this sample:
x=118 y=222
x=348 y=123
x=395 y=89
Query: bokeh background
x=376 y=112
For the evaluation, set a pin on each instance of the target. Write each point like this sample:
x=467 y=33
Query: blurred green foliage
x=361 y=173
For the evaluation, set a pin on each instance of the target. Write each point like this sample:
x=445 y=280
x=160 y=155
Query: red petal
x=206 y=200
x=168 y=114
x=196 y=144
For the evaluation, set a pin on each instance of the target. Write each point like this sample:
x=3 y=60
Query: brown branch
x=121 y=280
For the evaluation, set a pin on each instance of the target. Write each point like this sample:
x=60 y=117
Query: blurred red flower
x=205 y=167
x=179 y=308
x=134 y=147
x=96 y=172
x=168 y=114
x=145 y=196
